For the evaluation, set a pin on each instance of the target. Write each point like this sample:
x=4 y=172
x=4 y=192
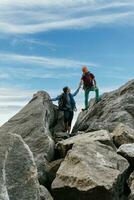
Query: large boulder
x=18 y=172
x=123 y=134
x=127 y=151
x=44 y=194
x=91 y=169
x=102 y=136
x=114 y=108
x=131 y=185
x=33 y=123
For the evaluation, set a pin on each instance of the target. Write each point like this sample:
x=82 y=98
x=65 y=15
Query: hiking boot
x=64 y=130
x=84 y=109
x=69 y=128
x=97 y=100
x=65 y=127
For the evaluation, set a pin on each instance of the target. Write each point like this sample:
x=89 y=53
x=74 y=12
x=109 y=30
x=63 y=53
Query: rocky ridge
x=96 y=163
x=114 y=107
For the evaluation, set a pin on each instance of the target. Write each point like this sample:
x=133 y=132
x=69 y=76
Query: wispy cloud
x=33 y=16
x=26 y=74
x=24 y=67
x=31 y=43
x=14 y=92
x=11 y=101
x=47 y=62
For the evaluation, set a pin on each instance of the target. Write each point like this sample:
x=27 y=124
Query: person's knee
x=69 y=124
x=97 y=90
x=65 y=119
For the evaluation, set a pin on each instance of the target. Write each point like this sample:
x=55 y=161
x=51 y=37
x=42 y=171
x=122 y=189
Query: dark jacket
x=88 y=79
x=69 y=102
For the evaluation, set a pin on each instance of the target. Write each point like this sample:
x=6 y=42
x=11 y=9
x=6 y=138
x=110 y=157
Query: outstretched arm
x=55 y=99
x=76 y=92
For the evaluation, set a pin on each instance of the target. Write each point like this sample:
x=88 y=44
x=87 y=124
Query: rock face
x=33 y=150
x=44 y=194
x=33 y=123
x=102 y=136
x=131 y=185
x=18 y=172
x=123 y=134
x=127 y=151
x=114 y=107
x=90 y=170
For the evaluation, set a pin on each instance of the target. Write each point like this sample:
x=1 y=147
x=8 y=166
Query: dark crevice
x=68 y=193
x=121 y=189
x=61 y=152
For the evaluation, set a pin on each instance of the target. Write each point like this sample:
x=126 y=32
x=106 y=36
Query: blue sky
x=44 y=43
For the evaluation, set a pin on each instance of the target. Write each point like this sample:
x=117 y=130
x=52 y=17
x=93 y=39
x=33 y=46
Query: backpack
x=62 y=102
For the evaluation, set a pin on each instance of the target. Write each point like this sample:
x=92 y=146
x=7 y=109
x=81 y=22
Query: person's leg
x=71 y=114
x=97 y=94
x=66 y=115
x=86 y=98
x=96 y=90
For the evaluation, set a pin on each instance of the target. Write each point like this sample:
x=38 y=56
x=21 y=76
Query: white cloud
x=24 y=67
x=48 y=4
x=31 y=43
x=33 y=16
x=11 y=101
x=26 y=74
x=14 y=96
x=74 y=23
x=47 y=62
x=66 y=3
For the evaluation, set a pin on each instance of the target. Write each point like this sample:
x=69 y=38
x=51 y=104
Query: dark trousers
x=68 y=117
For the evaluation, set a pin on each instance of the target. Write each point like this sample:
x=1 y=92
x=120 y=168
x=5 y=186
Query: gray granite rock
x=127 y=151
x=33 y=123
x=114 y=108
x=123 y=134
x=131 y=185
x=102 y=136
x=44 y=194
x=90 y=170
x=18 y=172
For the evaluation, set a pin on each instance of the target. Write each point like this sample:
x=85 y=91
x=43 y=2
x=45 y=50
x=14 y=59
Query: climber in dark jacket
x=69 y=106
